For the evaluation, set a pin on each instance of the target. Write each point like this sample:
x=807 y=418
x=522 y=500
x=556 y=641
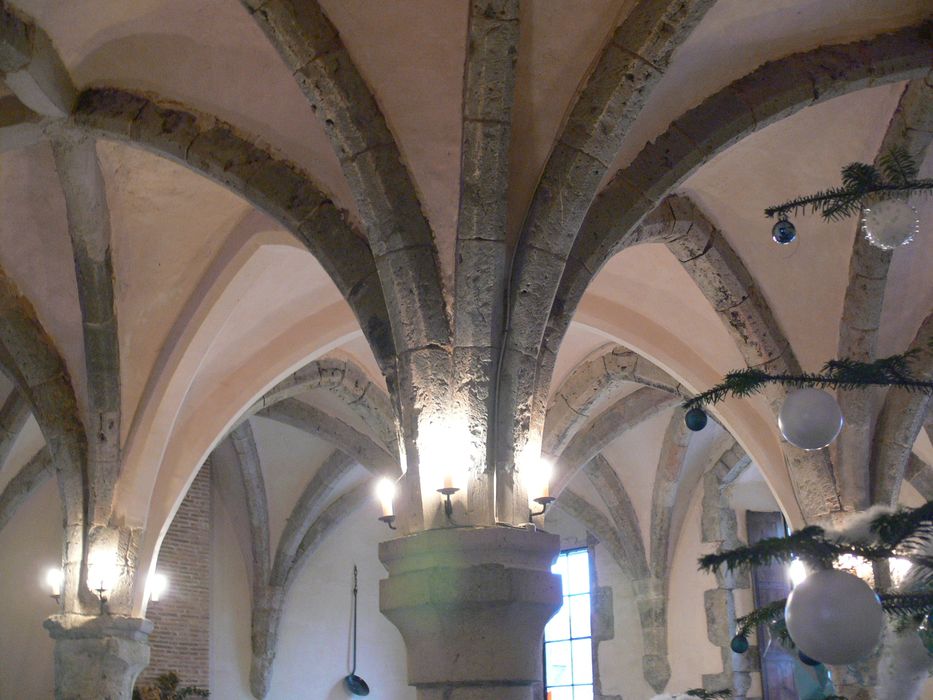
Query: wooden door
x=770 y=583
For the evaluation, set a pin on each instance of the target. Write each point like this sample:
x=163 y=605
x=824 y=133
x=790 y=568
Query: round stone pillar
x=98 y=658
x=471 y=604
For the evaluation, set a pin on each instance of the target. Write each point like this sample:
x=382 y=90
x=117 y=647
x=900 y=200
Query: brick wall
x=180 y=641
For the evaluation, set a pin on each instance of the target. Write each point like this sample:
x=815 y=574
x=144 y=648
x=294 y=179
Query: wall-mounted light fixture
x=385 y=492
x=102 y=576
x=447 y=491
x=53 y=579
x=157 y=587
x=538 y=485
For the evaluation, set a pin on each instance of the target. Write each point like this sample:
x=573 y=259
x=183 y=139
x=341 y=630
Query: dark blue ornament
x=807 y=660
x=783 y=232
x=695 y=419
x=739 y=644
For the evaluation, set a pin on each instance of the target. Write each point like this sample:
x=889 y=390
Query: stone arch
x=272 y=184
x=911 y=127
x=626 y=72
x=149 y=496
x=27 y=480
x=900 y=421
x=769 y=93
x=398 y=232
x=349 y=383
x=29 y=357
x=590 y=382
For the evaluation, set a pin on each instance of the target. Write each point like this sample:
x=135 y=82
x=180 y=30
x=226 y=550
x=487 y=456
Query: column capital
x=98 y=657
x=471 y=604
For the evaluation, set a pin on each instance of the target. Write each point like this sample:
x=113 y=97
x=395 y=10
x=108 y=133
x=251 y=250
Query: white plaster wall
x=313 y=651
x=30 y=544
x=690 y=652
x=620 y=668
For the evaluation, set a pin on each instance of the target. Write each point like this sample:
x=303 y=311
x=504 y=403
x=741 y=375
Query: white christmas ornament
x=810 y=419
x=889 y=223
x=834 y=617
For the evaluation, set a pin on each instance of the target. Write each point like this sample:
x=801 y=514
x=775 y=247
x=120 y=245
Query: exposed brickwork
x=180 y=640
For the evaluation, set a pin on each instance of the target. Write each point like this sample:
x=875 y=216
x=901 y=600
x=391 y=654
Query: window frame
x=566 y=601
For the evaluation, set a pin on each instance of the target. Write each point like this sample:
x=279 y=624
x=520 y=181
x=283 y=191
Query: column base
x=471 y=604
x=98 y=658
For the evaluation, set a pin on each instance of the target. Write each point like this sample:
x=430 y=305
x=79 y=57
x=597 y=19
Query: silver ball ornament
x=810 y=419
x=889 y=223
x=834 y=617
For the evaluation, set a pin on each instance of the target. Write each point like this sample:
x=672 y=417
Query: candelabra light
x=53 y=579
x=447 y=492
x=385 y=492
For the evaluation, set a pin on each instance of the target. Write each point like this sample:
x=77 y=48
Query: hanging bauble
x=784 y=232
x=739 y=644
x=889 y=223
x=695 y=419
x=807 y=660
x=834 y=617
x=810 y=418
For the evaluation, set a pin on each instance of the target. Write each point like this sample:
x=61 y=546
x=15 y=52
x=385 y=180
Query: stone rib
x=31 y=66
x=20 y=127
x=88 y=214
x=607 y=483
x=590 y=382
x=349 y=440
x=398 y=232
x=33 y=474
x=623 y=415
x=13 y=417
x=911 y=127
x=257 y=505
x=629 y=68
x=31 y=360
x=920 y=476
x=272 y=184
x=901 y=418
x=481 y=249
x=349 y=383
x=667 y=479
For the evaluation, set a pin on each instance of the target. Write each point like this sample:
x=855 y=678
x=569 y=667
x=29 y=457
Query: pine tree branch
x=709 y=694
x=843 y=373
x=896 y=179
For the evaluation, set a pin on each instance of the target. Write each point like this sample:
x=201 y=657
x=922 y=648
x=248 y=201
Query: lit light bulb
x=899 y=568
x=538 y=479
x=102 y=573
x=385 y=492
x=798 y=572
x=157 y=587
x=889 y=223
x=53 y=579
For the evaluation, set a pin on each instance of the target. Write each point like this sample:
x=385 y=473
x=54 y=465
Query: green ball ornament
x=695 y=419
x=739 y=644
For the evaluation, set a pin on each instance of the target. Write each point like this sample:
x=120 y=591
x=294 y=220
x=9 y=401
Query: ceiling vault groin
x=272 y=184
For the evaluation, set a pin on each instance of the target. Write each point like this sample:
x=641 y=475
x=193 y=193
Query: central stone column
x=471 y=604
x=98 y=658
